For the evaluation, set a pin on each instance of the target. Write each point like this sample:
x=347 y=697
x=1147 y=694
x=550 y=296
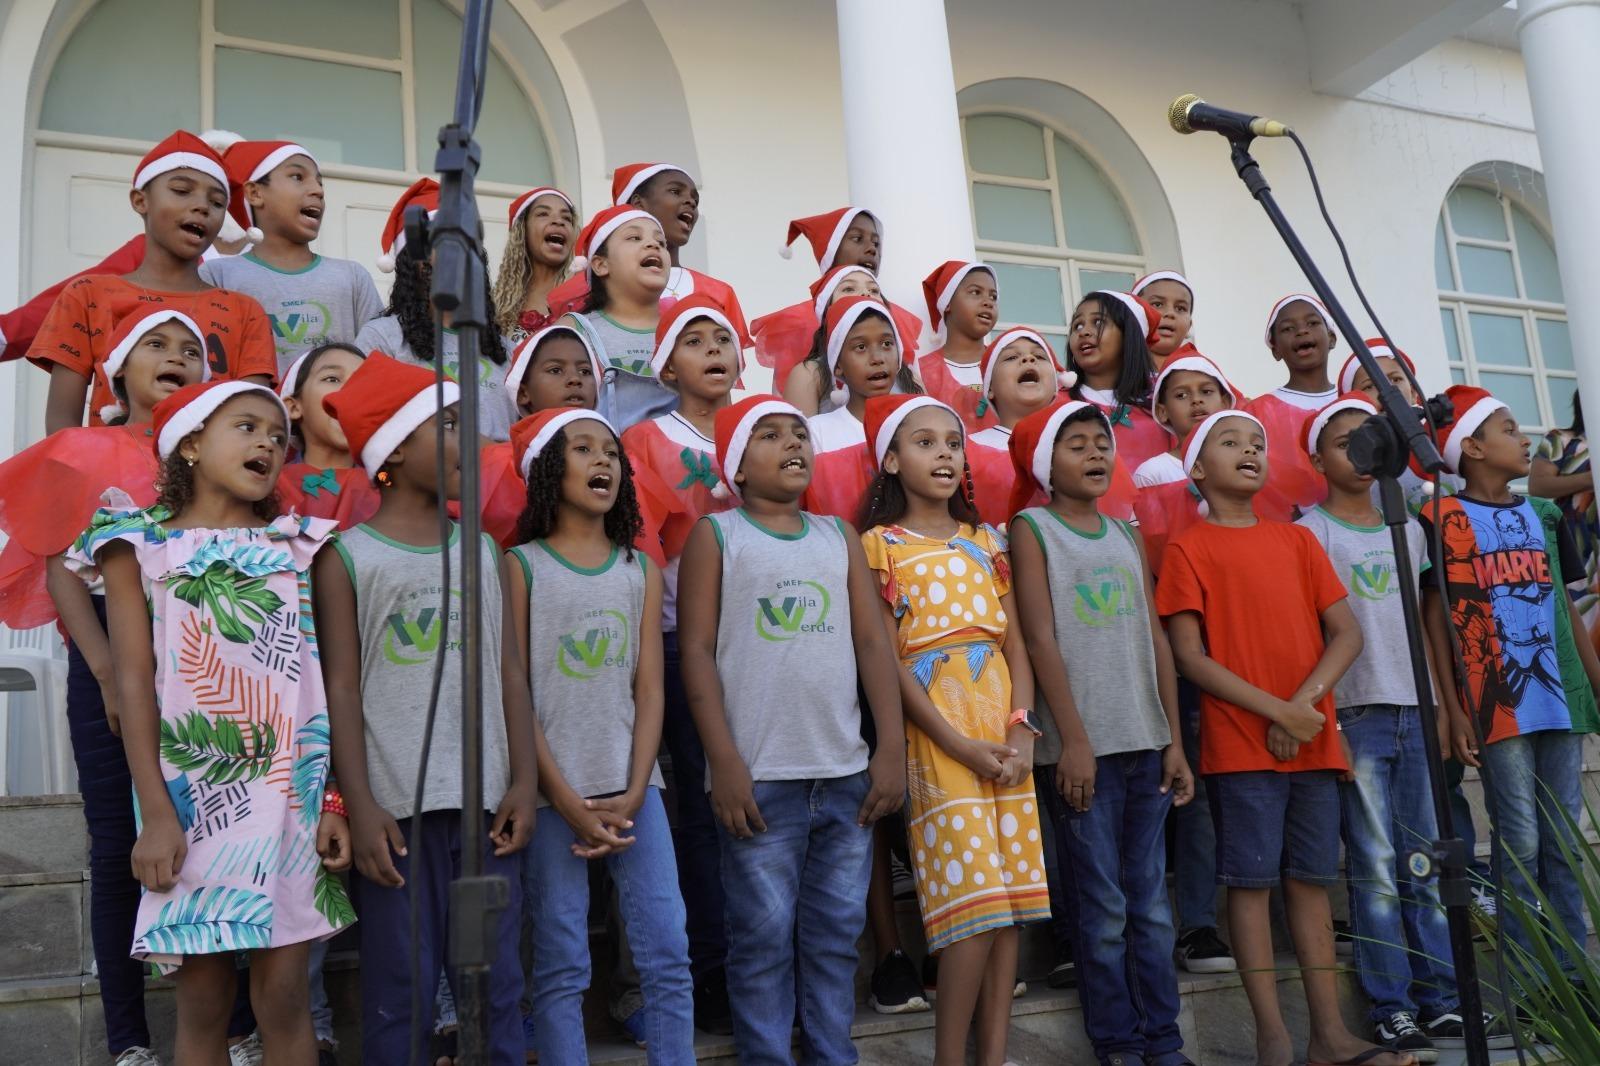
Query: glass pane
x=1109 y=280
x=1094 y=217
x=1058 y=341
x=1020 y=216
x=1498 y=339
x=1032 y=293
x=519 y=154
x=1555 y=343
x=257 y=93
x=1518 y=393
x=1561 y=391
x=1442 y=276
x=1458 y=376
x=366 y=27
x=1452 y=342
x=113 y=49
x=1541 y=277
x=1476 y=212
x=1001 y=144
x=1486 y=270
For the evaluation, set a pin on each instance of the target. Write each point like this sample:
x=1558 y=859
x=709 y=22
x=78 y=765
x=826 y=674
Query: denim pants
x=796 y=904
x=1194 y=853
x=695 y=840
x=1402 y=939
x=1114 y=866
x=385 y=926
x=558 y=908
x=1534 y=784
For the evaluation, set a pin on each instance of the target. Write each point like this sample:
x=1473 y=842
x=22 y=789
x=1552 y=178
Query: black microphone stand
x=455 y=236
x=1380 y=447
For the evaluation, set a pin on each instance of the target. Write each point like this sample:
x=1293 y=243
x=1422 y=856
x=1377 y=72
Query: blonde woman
x=537 y=258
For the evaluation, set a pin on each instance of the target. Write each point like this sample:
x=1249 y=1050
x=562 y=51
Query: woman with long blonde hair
x=537 y=258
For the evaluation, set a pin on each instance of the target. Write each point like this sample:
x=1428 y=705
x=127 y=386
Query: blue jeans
x=321 y=1010
x=696 y=840
x=1402 y=937
x=558 y=909
x=1114 y=866
x=796 y=904
x=1534 y=785
x=1194 y=853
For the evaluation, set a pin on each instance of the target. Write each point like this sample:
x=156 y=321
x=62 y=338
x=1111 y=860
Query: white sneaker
x=138 y=1056
x=248 y=1052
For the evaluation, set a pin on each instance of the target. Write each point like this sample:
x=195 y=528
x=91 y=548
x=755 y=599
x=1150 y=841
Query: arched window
x=1501 y=305
x=1049 y=220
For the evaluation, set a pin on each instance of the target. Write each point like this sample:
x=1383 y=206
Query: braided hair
x=175 y=488
x=409 y=302
x=623 y=523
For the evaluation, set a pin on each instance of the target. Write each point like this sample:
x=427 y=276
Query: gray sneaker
x=138 y=1056
x=248 y=1052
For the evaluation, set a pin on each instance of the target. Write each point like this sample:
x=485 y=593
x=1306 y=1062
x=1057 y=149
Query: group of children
x=939 y=607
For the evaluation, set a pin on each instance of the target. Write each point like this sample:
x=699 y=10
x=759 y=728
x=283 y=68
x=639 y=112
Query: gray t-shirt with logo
x=631 y=392
x=785 y=651
x=583 y=655
x=398 y=600
x=330 y=300
x=1364 y=558
x=496 y=412
x=1102 y=623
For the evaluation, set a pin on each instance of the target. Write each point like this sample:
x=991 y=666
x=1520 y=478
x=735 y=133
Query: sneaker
x=1065 y=975
x=633 y=1025
x=138 y=1056
x=1124 y=1058
x=1019 y=990
x=1399 y=1032
x=1447 y=1029
x=905 y=886
x=247 y=1052
x=895 y=988
x=1344 y=941
x=712 y=1014
x=1201 y=950
x=1485 y=910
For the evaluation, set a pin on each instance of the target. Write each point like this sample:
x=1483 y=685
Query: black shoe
x=1065 y=975
x=895 y=988
x=711 y=1011
x=1344 y=939
x=1124 y=1058
x=1447 y=1029
x=1201 y=950
x=1399 y=1032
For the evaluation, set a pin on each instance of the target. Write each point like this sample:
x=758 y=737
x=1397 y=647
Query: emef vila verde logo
x=798 y=607
x=1374 y=577
x=600 y=643
x=1104 y=597
x=410 y=640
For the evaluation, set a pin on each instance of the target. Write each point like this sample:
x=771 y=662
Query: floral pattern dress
x=244 y=740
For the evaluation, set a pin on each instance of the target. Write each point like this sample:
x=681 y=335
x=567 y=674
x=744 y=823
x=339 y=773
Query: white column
x=1560 y=43
x=903 y=137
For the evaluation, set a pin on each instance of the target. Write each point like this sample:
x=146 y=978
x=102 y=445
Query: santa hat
x=1296 y=297
x=186 y=410
x=939 y=288
x=841 y=319
x=1033 y=441
x=127 y=335
x=1197 y=436
x=825 y=232
x=1162 y=275
x=884 y=414
x=679 y=317
x=1141 y=311
x=182 y=149
x=520 y=205
x=823 y=288
x=733 y=428
x=1380 y=350
x=383 y=403
x=248 y=161
x=991 y=357
x=603 y=225
x=625 y=181
x=1349 y=401
x=1472 y=407
x=1192 y=360
x=424 y=193
x=530 y=435
x=523 y=357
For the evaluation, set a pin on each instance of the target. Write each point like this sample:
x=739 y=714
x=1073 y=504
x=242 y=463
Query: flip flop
x=1363 y=1058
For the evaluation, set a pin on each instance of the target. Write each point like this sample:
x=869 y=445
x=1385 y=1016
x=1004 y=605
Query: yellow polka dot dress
x=975 y=847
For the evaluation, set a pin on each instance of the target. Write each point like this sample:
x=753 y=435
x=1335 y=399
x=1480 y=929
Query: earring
x=384 y=480
x=191 y=462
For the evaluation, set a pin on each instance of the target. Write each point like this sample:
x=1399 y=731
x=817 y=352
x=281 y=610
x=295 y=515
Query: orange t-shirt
x=1260 y=592
x=77 y=331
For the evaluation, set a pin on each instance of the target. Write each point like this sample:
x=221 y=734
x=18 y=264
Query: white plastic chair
x=38 y=744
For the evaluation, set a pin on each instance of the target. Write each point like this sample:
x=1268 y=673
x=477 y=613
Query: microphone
x=1189 y=113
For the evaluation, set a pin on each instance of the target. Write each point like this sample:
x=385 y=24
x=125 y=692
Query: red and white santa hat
x=1296 y=297
x=1348 y=401
x=1065 y=378
x=180 y=150
x=733 y=428
x=1380 y=350
x=1162 y=275
x=823 y=288
x=883 y=415
x=606 y=222
x=825 y=232
x=522 y=358
x=248 y=161
x=679 y=317
x=1194 y=361
x=940 y=287
x=127 y=335
x=1138 y=308
x=532 y=434
x=841 y=319
x=520 y=205
x=1033 y=441
x=383 y=403
x=1472 y=407
x=185 y=411
x=423 y=193
x=1197 y=436
x=625 y=181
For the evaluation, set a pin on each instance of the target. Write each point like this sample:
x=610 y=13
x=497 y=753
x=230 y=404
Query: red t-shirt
x=1260 y=592
x=77 y=331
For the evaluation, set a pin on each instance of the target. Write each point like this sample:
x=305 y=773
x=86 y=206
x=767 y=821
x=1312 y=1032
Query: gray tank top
x=630 y=393
x=583 y=655
x=785 y=652
x=397 y=610
x=1103 y=632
